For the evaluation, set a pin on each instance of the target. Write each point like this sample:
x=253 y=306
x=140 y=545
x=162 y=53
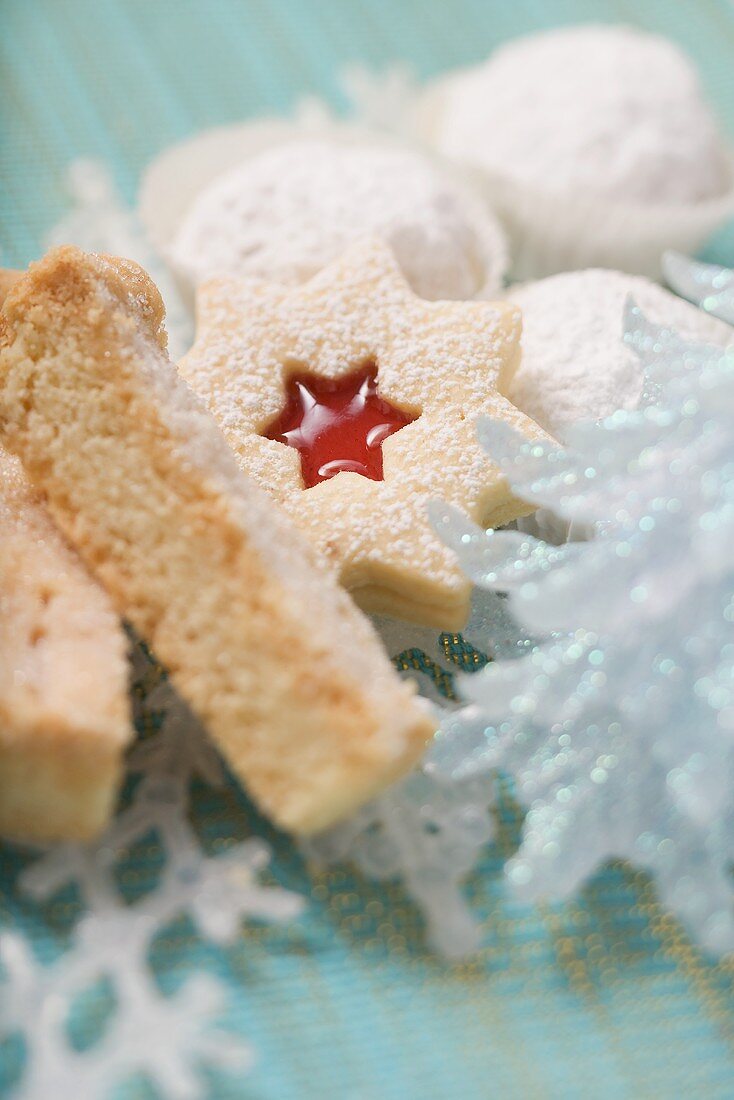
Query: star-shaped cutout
x=337 y=424
x=439 y=364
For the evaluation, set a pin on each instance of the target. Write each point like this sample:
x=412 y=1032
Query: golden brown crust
x=258 y=637
x=64 y=705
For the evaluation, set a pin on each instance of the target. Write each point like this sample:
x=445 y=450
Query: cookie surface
x=441 y=364
x=287 y=675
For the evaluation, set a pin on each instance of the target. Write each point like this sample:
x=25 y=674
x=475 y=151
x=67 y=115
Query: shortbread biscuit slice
x=64 y=703
x=288 y=676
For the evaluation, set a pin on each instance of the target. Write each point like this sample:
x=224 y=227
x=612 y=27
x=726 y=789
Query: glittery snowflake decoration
x=618 y=727
x=709 y=286
x=166 y=1038
x=385 y=101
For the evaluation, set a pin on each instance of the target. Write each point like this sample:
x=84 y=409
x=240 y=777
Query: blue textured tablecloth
x=603 y=997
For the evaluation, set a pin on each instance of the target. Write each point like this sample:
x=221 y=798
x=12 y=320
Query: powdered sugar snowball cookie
x=574 y=364
x=288 y=210
x=594 y=143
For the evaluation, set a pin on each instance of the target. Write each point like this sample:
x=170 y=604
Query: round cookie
x=574 y=365
x=607 y=109
x=289 y=210
x=595 y=145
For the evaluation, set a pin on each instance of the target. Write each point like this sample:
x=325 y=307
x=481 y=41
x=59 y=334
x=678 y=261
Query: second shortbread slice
x=64 y=707
x=288 y=676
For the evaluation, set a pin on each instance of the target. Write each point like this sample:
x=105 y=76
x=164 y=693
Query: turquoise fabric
x=602 y=997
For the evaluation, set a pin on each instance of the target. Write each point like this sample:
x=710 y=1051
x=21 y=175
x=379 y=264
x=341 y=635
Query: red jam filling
x=337 y=424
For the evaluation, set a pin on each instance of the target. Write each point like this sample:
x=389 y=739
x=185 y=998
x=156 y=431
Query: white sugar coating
x=288 y=211
x=611 y=110
x=574 y=365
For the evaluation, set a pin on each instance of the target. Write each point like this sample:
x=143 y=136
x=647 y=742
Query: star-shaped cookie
x=436 y=365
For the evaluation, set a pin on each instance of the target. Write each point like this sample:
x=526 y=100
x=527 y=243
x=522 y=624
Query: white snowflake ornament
x=618 y=727
x=427 y=833
x=167 y=1039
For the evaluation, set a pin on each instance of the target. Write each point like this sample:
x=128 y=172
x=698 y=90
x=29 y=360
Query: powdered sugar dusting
x=288 y=211
x=609 y=110
x=574 y=364
x=442 y=361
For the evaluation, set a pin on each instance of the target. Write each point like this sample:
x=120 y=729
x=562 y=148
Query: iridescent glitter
x=618 y=728
x=707 y=285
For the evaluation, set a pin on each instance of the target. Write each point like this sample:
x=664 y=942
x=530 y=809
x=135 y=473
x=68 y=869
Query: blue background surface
x=602 y=997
